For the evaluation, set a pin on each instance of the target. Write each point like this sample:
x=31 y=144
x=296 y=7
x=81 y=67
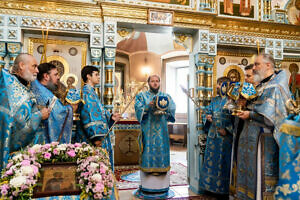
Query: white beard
x=28 y=76
x=258 y=75
x=257 y=78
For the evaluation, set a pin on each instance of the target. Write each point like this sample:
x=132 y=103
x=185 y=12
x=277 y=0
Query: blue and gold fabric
x=19 y=116
x=73 y=96
x=224 y=89
x=95 y=121
x=244 y=89
x=288 y=139
x=267 y=113
x=154 y=139
x=215 y=172
x=58 y=127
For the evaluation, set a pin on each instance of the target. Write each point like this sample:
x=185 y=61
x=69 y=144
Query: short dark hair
x=88 y=70
x=248 y=67
x=44 y=68
x=148 y=80
x=223 y=79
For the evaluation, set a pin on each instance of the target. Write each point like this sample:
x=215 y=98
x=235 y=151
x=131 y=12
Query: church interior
x=189 y=44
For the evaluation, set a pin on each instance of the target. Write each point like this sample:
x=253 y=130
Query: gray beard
x=257 y=78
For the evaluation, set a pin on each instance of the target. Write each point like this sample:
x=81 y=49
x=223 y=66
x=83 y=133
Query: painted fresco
x=238 y=8
x=293 y=12
x=178 y=2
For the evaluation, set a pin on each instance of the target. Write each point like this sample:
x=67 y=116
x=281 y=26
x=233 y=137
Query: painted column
x=267 y=7
x=109 y=61
x=10 y=33
x=13 y=50
x=110 y=43
x=2 y=54
x=274 y=47
x=200 y=62
x=96 y=46
x=96 y=54
x=206 y=49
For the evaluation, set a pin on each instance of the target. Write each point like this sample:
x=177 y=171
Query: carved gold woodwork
x=138 y=14
x=54 y=6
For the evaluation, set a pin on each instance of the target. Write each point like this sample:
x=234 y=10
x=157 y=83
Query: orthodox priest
x=215 y=171
x=19 y=114
x=257 y=157
x=58 y=127
x=154 y=109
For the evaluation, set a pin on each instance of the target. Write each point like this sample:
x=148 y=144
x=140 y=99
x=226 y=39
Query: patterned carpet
x=178 y=176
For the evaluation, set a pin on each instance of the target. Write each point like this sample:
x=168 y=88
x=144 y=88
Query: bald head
x=25 y=66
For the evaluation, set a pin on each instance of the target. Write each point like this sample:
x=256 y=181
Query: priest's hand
x=209 y=118
x=45 y=113
x=116 y=117
x=243 y=114
x=151 y=104
x=222 y=131
x=98 y=143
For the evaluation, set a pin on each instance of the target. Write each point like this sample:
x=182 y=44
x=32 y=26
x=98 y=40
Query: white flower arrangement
x=94 y=174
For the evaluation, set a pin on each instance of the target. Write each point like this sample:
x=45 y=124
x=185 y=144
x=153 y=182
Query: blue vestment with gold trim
x=154 y=139
x=288 y=138
x=95 y=121
x=257 y=154
x=215 y=172
x=60 y=118
x=19 y=116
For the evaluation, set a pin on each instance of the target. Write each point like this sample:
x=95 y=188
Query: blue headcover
x=73 y=96
x=245 y=89
x=161 y=102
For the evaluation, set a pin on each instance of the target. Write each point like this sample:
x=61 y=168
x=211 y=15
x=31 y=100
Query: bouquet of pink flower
x=94 y=173
x=19 y=177
x=95 y=177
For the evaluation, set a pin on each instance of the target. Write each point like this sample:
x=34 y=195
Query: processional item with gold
x=238 y=94
x=185 y=91
x=127 y=106
x=45 y=40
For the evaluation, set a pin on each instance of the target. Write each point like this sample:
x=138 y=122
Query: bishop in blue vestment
x=288 y=138
x=19 y=115
x=215 y=172
x=257 y=154
x=154 y=139
x=58 y=127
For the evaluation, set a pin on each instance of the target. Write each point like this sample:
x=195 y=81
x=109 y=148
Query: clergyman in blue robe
x=215 y=172
x=154 y=139
x=19 y=114
x=288 y=139
x=58 y=127
x=95 y=120
x=257 y=154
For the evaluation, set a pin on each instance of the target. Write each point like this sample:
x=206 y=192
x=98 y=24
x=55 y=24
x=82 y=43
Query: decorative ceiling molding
x=138 y=13
x=67 y=8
